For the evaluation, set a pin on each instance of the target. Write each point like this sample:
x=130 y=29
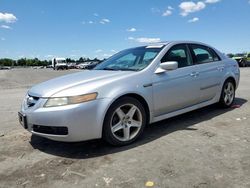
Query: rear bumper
x=69 y=123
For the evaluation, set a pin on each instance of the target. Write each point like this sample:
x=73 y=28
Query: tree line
x=36 y=62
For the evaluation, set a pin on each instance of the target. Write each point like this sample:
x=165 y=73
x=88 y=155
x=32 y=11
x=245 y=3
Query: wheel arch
x=232 y=79
x=137 y=96
x=142 y=101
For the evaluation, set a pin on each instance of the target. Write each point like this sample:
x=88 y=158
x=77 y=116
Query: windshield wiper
x=107 y=68
x=128 y=69
x=125 y=69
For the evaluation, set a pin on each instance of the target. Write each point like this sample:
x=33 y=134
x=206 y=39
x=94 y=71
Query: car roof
x=179 y=42
x=165 y=43
x=173 y=42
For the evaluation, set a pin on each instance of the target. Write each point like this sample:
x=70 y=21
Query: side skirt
x=185 y=110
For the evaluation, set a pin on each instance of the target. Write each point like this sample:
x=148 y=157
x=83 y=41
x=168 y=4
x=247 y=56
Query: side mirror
x=167 y=66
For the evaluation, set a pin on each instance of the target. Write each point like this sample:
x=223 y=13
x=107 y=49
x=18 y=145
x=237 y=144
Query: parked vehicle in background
x=72 y=65
x=133 y=88
x=92 y=65
x=248 y=57
x=59 y=63
x=241 y=59
x=83 y=65
x=5 y=68
x=49 y=66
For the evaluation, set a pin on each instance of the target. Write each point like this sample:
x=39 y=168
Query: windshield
x=130 y=60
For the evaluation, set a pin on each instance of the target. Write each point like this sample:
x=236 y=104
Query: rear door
x=176 y=89
x=210 y=68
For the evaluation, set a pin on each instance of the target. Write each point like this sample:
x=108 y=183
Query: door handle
x=221 y=69
x=194 y=74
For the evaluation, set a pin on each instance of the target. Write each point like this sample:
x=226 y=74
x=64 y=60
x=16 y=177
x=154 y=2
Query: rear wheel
x=227 y=94
x=124 y=121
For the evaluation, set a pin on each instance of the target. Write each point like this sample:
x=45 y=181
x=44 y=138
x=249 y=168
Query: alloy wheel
x=126 y=122
x=228 y=93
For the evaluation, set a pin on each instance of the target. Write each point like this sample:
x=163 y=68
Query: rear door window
x=203 y=54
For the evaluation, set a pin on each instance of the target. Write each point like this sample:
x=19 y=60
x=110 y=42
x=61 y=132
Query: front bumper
x=70 y=123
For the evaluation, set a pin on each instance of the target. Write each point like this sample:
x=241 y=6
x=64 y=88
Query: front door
x=177 y=89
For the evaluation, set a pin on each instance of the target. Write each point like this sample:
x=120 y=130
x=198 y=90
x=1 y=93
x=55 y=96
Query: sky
x=100 y=28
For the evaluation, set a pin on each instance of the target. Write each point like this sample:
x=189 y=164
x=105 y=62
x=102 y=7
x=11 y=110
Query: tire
x=227 y=94
x=124 y=122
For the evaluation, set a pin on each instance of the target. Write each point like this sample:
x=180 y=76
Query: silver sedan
x=131 y=89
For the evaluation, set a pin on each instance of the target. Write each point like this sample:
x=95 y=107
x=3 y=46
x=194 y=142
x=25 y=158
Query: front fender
x=145 y=92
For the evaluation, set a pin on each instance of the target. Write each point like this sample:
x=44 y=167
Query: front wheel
x=124 y=121
x=227 y=94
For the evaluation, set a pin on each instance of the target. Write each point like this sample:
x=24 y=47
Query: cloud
x=106 y=55
x=148 y=40
x=5 y=27
x=212 y=1
x=3 y=39
x=21 y=56
x=170 y=8
x=188 y=7
x=132 y=29
x=155 y=10
x=104 y=21
x=195 y=19
x=167 y=13
x=49 y=56
x=98 y=51
x=96 y=20
x=7 y=17
x=145 y=39
x=114 y=51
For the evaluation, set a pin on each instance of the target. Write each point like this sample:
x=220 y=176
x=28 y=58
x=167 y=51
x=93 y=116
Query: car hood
x=51 y=87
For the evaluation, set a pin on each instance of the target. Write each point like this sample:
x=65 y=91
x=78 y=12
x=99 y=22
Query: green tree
x=6 y=62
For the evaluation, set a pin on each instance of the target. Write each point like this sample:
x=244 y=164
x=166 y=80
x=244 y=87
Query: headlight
x=61 y=101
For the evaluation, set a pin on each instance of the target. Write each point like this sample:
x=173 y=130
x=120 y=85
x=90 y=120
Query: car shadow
x=95 y=148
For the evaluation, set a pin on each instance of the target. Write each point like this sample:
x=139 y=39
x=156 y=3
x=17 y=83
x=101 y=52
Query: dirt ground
x=209 y=147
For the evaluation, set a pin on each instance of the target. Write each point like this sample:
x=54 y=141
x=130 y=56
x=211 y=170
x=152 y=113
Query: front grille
x=50 y=130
